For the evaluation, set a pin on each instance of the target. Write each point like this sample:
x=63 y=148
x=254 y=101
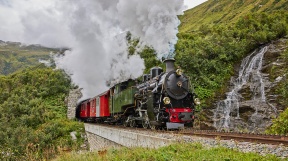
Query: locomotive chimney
x=169 y=65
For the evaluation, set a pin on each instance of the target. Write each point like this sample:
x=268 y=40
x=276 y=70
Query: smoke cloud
x=154 y=22
x=95 y=31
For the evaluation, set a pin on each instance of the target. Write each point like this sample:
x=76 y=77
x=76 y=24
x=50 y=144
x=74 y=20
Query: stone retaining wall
x=127 y=138
x=97 y=143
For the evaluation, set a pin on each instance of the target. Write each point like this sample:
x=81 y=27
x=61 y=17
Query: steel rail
x=254 y=138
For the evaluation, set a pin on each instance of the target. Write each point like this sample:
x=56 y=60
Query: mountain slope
x=215 y=12
x=215 y=36
x=15 y=56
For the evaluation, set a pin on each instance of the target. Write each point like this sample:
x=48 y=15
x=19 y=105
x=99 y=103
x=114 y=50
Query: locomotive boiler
x=161 y=100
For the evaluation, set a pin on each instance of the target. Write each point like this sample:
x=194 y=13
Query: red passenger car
x=100 y=105
x=95 y=109
x=85 y=110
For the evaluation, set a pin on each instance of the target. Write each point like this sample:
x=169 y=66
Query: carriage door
x=98 y=107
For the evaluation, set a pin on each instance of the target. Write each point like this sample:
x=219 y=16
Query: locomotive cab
x=122 y=99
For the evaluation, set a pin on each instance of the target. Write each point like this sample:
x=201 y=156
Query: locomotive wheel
x=132 y=123
x=145 y=124
x=126 y=122
x=153 y=127
x=189 y=125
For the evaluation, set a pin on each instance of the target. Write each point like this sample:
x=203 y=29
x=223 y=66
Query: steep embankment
x=33 y=123
x=215 y=36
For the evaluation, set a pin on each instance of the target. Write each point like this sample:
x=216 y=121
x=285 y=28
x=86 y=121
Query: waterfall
x=250 y=75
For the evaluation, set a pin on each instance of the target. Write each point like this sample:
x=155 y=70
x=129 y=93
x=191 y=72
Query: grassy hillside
x=215 y=36
x=210 y=54
x=215 y=12
x=15 y=56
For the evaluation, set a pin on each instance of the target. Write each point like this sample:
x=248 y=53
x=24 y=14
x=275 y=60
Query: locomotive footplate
x=171 y=125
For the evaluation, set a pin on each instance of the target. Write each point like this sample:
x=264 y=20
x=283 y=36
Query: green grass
x=176 y=152
x=215 y=12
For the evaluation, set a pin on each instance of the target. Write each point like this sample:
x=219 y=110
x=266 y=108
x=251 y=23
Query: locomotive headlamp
x=197 y=101
x=179 y=72
x=166 y=100
x=179 y=84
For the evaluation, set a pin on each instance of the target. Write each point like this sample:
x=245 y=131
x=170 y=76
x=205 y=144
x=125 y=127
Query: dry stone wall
x=71 y=100
x=98 y=143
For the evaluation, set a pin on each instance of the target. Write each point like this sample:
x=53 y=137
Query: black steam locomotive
x=162 y=100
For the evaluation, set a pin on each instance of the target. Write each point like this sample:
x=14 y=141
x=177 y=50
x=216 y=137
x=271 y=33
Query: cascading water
x=226 y=115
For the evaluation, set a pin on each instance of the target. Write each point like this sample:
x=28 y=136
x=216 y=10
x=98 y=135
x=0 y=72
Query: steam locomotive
x=161 y=100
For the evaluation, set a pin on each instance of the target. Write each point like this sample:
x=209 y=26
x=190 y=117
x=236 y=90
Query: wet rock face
x=71 y=100
x=251 y=102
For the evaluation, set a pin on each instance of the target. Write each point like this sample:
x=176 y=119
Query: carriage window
x=123 y=86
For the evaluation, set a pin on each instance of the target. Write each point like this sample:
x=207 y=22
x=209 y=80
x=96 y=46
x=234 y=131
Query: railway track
x=242 y=137
x=247 y=137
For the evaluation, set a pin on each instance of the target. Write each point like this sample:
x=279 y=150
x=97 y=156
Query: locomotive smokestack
x=169 y=64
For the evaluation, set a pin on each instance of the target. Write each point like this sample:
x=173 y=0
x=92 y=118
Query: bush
x=33 y=122
x=280 y=124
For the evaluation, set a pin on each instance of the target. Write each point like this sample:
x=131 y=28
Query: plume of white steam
x=154 y=22
x=91 y=29
x=99 y=54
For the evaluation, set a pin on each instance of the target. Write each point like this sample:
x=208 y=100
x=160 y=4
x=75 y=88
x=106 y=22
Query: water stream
x=250 y=77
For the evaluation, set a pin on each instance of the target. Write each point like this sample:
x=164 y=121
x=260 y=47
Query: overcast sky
x=13 y=16
x=193 y=3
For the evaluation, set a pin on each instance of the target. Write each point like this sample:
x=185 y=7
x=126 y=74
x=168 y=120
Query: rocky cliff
x=252 y=102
